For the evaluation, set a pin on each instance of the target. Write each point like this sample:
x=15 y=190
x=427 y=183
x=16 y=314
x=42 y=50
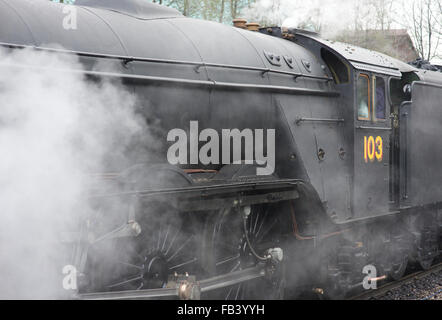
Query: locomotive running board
x=202 y=286
x=216 y=196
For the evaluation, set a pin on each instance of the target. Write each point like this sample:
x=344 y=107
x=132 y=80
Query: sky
x=338 y=15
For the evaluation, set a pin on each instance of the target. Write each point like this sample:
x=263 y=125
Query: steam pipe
x=304 y=238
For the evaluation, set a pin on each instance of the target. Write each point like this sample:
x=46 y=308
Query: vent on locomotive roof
x=141 y=9
x=301 y=31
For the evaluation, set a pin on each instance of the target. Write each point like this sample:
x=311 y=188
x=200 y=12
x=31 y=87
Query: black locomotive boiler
x=356 y=149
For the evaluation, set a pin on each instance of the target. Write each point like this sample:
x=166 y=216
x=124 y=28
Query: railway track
x=390 y=286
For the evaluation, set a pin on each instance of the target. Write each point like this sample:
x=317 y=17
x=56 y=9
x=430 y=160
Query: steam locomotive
x=297 y=165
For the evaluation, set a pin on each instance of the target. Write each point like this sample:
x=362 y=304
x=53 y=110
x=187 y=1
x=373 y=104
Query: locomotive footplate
x=194 y=198
x=216 y=196
x=185 y=288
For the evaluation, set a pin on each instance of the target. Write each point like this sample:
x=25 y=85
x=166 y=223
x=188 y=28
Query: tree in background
x=383 y=12
x=324 y=15
x=223 y=11
x=352 y=21
x=424 y=20
x=380 y=25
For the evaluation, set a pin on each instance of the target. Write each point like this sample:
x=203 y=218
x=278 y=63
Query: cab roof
x=359 y=58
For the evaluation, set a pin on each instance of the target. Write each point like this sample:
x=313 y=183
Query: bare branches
x=223 y=11
x=425 y=27
x=422 y=18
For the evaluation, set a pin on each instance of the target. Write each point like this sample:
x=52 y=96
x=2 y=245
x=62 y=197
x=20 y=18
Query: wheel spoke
x=172 y=242
x=130 y=265
x=228 y=259
x=262 y=223
x=237 y=291
x=159 y=239
x=165 y=238
x=184 y=263
x=236 y=266
x=267 y=230
x=251 y=222
x=228 y=294
x=256 y=221
x=139 y=277
x=184 y=244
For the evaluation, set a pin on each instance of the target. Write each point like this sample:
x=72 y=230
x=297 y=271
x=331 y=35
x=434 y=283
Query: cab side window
x=379 y=98
x=363 y=97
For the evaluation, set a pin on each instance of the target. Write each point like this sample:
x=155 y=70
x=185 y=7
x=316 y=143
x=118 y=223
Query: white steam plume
x=329 y=17
x=55 y=128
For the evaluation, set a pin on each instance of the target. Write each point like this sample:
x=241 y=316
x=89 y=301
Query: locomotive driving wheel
x=235 y=243
x=165 y=246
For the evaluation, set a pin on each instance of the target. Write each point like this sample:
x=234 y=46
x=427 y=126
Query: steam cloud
x=55 y=129
x=331 y=15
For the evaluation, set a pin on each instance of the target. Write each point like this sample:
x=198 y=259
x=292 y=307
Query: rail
x=381 y=291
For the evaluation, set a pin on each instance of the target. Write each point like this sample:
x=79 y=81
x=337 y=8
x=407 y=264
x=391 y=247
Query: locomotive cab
x=373 y=89
x=378 y=93
x=363 y=79
x=372 y=139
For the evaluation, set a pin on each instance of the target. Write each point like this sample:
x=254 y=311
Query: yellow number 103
x=373 y=149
